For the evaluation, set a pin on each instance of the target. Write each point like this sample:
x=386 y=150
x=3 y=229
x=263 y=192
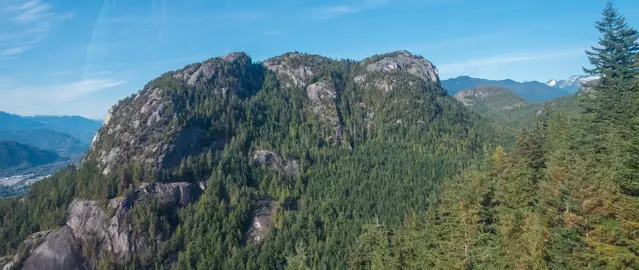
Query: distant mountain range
x=76 y=126
x=504 y=108
x=530 y=91
x=17 y=155
x=59 y=142
x=31 y=141
x=571 y=84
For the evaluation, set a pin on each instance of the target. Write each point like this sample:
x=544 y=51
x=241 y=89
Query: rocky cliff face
x=89 y=224
x=498 y=97
x=143 y=129
x=193 y=112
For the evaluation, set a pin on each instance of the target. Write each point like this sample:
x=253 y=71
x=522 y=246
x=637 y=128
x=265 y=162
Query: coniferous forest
x=374 y=170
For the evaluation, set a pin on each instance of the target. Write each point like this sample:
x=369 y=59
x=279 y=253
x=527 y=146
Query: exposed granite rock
x=60 y=250
x=468 y=96
x=273 y=161
x=405 y=61
x=88 y=221
x=180 y=194
x=294 y=69
x=6 y=262
x=323 y=97
x=143 y=128
x=512 y=107
x=262 y=221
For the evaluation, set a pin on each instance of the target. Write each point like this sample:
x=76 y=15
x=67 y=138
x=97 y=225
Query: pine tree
x=609 y=112
x=617 y=56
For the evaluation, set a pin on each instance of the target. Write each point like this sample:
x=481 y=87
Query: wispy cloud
x=471 y=39
x=13 y=51
x=499 y=60
x=272 y=33
x=26 y=23
x=331 y=12
x=18 y=97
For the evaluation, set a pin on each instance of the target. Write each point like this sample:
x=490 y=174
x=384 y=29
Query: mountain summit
x=298 y=145
x=571 y=84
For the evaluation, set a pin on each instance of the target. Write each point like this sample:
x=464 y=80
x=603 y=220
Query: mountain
x=16 y=155
x=571 y=84
x=61 y=143
x=76 y=126
x=530 y=91
x=11 y=121
x=232 y=164
x=505 y=109
x=500 y=105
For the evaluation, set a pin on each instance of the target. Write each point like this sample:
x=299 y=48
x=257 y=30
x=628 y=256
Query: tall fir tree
x=610 y=110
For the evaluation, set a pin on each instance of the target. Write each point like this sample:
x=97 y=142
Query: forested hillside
x=291 y=156
x=16 y=155
x=566 y=197
x=510 y=113
x=307 y=162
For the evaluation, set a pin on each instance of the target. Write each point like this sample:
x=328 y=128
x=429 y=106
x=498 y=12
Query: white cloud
x=331 y=12
x=25 y=23
x=272 y=33
x=499 y=60
x=13 y=51
x=22 y=98
x=32 y=11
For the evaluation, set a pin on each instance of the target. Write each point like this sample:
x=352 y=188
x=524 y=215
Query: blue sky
x=81 y=56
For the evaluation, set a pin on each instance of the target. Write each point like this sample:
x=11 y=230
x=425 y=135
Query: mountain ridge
x=76 y=126
x=17 y=155
x=572 y=84
x=266 y=147
x=532 y=91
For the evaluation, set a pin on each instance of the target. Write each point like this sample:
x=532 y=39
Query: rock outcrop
x=262 y=221
x=294 y=69
x=273 y=161
x=88 y=222
x=60 y=250
x=143 y=129
x=389 y=66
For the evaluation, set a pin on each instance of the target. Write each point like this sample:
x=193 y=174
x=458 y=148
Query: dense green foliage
x=500 y=105
x=564 y=198
x=372 y=169
x=382 y=192
x=13 y=154
x=508 y=112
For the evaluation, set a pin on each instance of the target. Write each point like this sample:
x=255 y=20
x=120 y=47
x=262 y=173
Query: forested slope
x=565 y=197
x=292 y=155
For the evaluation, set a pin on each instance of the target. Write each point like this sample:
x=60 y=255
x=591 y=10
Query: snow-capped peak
x=572 y=83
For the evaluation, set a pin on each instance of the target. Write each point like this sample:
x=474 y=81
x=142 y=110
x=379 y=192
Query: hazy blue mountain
x=530 y=91
x=76 y=126
x=61 y=143
x=17 y=155
x=12 y=121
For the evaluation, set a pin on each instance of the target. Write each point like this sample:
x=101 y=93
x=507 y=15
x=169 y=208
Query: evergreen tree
x=617 y=56
x=609 y=127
